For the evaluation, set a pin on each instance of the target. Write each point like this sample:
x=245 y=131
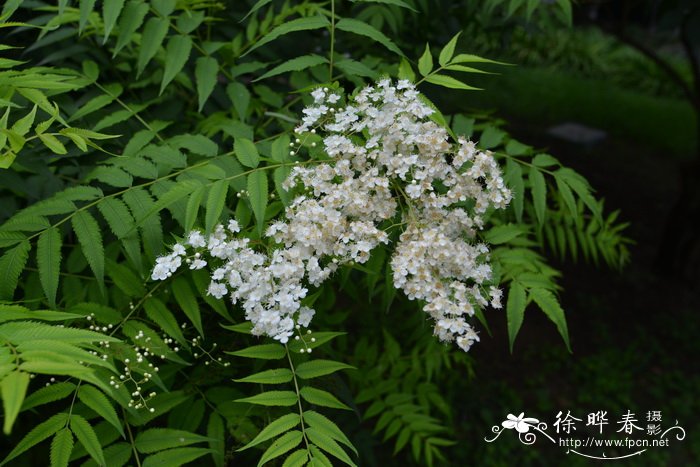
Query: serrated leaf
x=515 y=310
x=51 y=142
x=321 y=338
x=538 y=187
x=503 y=233
x=240 y=96
x=425 y=62
x=316 y=368
x=326 y=426
x=159 y=314
x=275 y=428
x=568 y=197
x=11 y=264
x=258 y=195
x=24 y=124
x=47 y=394
x=299 y=24
x=184 y=296
x=246 y=152
x=216 y=432
x=448 y=51
x=205 y=73
x=175 y=457
x=151 y=40
x=38 y=434
x=13 y=388
x=549 y=304
x=263 y=351
x=192 y=210
x=276 y=376
x=216 y=200
x=159 y=439
x=90 y=238
x=110 y=13
x=295 y=64
x=406 y=71
x=281 y=445
x=48 y=257
x=131 y=19
x=363 y=29
x=322 y=398
x=544 y=160
x=516 y=148
x=296 y=459
x=177 y=52
x=98 y=402
x=354 y=68
x=98 y=102
x=87 y=437
x=61 y=448
x=86 y=7
x=329 y=445
x=272 y=398
x=448 y=82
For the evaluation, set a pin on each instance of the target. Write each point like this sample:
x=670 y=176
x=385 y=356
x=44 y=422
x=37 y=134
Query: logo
x=599 y=432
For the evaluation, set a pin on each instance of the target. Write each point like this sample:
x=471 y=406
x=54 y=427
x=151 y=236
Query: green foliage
x=124 y=125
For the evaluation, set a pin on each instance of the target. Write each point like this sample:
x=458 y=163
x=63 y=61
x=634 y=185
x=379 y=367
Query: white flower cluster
x=385 y=152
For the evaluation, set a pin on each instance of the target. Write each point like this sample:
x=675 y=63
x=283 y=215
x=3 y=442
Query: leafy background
x=127 y=123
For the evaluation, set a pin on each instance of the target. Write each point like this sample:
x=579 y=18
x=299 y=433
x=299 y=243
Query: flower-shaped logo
x=521 y=424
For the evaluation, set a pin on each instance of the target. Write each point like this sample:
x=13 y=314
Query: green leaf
x=48 y=257
x=504 y=233
x=216 y=201
x=98 y=102
x=153 y=35
x=51 y=393
x=276 y=376
x=263 y=351
x=216 y=432
x=175 y=457
x=86 y=7
x=110 y=12
x=353 y=68
x=87 y=437
x=177 y=52
x=406 y=71
x=299 y=24
x=272 y=398
x=192 y=210
x=51 y=142
x=321 y=338
x=516 y=148
x=515 y=310
x=131 y=19
x=324 y=425
x=363 y=29
x=159 y=314
x=205 y=73
x=240 y=96
x=19 y=331
x=448 y=82
x=275 y=428
x=281 y=445
x=544 y=160
x=549 y=304
x=295 y=64
x=538 y=186
x=296 y=459
x=61 y=448
x=425 y=62
x=24 y=124
x=184 y=296
x=11 y=264
x=469 y=58
x=158 y=439
x=98 y=402
x=329 y=445
x=38 y=434
x=448 y=51
x=13 y=388
x=322 y=398
x=568 y=197
x=90 y=238
x=316 y=368
x=318 y=458
x=257 y=193
x=246 y=152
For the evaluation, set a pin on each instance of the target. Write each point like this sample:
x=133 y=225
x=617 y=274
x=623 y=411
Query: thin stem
x=330 y=59
x=296 y=389
x=131 y=440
